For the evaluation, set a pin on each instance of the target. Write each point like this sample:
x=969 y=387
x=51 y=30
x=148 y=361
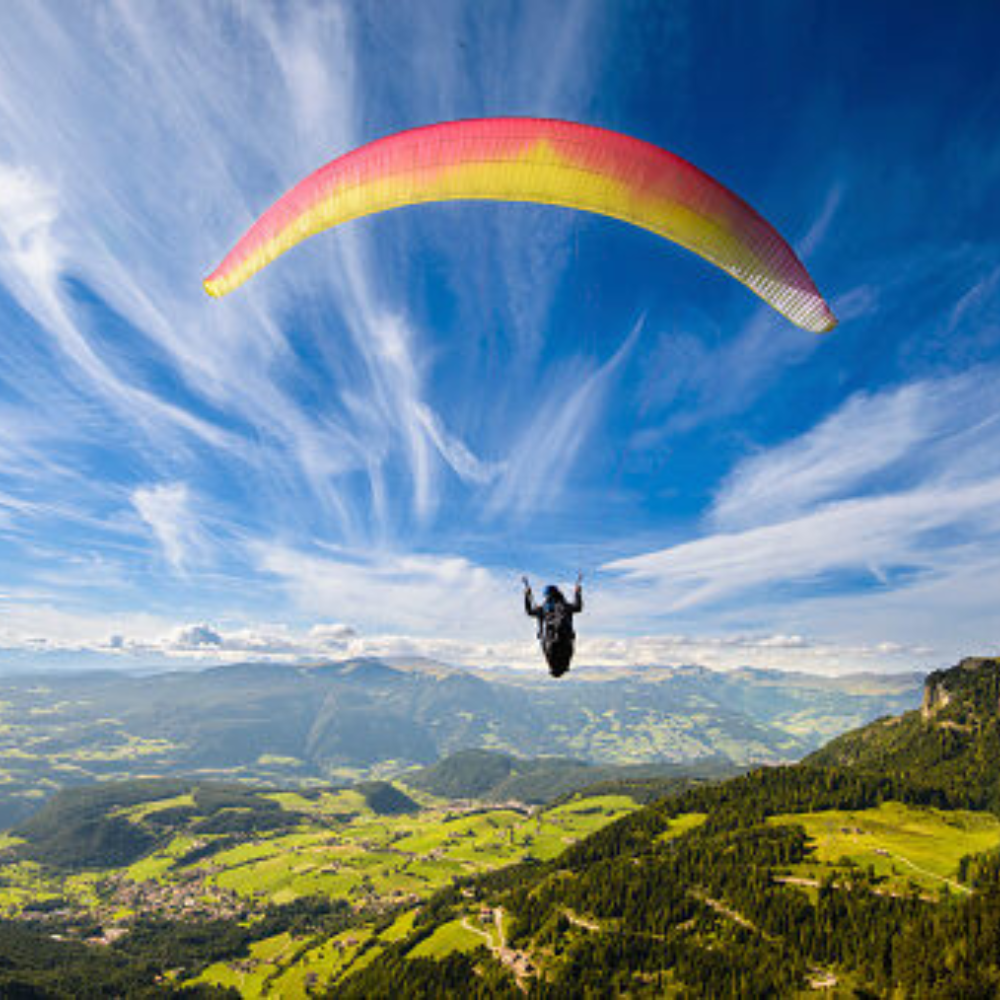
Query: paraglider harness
x=555 y=629
x=556 y=623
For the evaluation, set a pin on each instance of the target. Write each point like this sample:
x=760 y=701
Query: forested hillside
x=951 y=745
x=494 y=776
x=732 y=890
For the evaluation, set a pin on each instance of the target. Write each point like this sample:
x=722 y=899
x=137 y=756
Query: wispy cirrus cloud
x=302 y=408
x=877 y=505
x=862 y=446
x=35 y=259
x=101 y=225
x=533 y=479
x=389 y=592
x=28 y=211
x=168 y=510
x=877 y=536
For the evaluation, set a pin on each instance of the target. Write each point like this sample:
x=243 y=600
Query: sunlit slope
x=899 y=845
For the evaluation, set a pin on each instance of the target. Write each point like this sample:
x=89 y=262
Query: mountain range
x=365 y=718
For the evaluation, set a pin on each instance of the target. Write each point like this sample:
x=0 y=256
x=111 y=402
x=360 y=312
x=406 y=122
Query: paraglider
x=548 y=162
x=555 y=623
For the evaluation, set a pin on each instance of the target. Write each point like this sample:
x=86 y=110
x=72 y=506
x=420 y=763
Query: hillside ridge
x=974 y=680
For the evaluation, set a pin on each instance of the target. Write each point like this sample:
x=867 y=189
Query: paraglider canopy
x=549 y=162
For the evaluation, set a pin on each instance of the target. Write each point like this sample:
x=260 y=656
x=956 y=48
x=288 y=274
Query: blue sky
x=363 y=449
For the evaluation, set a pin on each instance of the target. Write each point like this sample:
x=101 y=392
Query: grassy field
x=394 y=857
x=683 y=823
x=453 y=936
x=900 y=843
x=283 y=966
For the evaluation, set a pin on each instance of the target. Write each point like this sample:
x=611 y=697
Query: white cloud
x=870 y=523
x=842 y=455
x=28 y=210
x=534 y=477
x=31 y=618
x=971 y=306
x=262 y=641
x=892 y=532
x=695 y=384
x=34 y=260
x=331 y=632
x=167 y=509
x=386 y=592
x=197 y=636
x=770 y=652
x=821 y=226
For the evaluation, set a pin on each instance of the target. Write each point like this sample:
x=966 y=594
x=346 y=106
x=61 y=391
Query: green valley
x=842 y=873
x=256 y=860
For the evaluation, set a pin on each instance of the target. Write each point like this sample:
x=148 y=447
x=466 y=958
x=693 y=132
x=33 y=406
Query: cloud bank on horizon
x=361 y=452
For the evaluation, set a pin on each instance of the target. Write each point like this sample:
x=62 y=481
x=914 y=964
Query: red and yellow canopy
x=544 y=161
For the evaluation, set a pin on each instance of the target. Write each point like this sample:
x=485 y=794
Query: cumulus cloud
x=196 y=636
x=208 y=643
x=331 y=632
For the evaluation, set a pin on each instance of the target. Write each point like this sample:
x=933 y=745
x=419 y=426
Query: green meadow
x=395 y=857
x=901 y=844
x=453 y=936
